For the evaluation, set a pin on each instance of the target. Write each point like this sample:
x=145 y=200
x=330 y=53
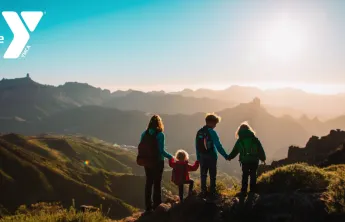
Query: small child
x=181 y=169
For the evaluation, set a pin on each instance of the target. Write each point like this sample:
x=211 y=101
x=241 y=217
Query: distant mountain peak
x=256 y=101
x=18 y=81
x=187 y=90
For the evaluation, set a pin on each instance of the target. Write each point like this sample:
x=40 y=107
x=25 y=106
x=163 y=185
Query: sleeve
x=172 y=162
x=193 y=167
x=234 y=151
x=217 y=143
x=262 y=155
x=197 y=151
x=161 y=145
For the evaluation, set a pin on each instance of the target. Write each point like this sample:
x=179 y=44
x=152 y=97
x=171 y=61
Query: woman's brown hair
x=156 y=123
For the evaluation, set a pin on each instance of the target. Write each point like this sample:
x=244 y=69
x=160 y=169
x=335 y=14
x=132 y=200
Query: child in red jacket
x=181 y=169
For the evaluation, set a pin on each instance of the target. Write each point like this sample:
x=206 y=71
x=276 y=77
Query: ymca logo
x=20 y=32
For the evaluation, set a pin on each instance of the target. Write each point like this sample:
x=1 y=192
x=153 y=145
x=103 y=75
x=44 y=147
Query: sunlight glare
x=284 y=39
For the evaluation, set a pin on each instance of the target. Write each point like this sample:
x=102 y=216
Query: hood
x=245 y=134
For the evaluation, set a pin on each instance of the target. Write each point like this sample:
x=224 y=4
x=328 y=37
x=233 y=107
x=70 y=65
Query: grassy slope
x=329 y=182
x=296 y=192
x=51 y=168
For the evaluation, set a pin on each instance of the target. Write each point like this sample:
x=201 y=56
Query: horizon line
x=309 y=88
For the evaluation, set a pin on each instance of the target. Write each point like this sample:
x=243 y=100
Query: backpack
x=148 y=151
x=204 y=142
x=251 y=150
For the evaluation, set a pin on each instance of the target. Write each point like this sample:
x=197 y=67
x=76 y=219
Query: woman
x=251 y=151
x=154 y=173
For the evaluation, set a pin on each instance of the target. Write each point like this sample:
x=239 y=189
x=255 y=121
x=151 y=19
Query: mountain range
x=67 y=149
x=279 y=101
x=31 y=108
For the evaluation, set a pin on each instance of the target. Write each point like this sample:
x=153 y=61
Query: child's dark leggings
x=249 y=170
x=180 y=188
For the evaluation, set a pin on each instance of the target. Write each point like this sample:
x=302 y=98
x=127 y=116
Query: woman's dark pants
x=153 y=180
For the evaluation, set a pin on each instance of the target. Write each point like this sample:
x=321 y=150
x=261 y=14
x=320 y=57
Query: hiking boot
x=203 y=195
x=214 y=196
x=241 y=194
x=191 y=193
x=253 y=190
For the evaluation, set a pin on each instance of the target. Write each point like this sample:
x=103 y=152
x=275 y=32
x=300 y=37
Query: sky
x=171 y=45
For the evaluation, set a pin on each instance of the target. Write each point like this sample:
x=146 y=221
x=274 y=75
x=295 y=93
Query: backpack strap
x=209 y=138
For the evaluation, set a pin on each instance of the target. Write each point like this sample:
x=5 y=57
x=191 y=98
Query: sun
x=284 y=39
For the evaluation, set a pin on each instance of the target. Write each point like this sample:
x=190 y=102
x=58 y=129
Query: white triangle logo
x=31 y=19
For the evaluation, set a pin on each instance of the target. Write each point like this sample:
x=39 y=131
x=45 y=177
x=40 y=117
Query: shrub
x=336 y=192
x=294 y=177
x=338 y=169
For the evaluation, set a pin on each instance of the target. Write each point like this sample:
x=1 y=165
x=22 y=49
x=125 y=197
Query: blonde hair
x=182 y=155
x=212 y=117
x=244 y=126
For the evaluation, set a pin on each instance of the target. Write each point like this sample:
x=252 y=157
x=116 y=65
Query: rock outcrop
x=324 y=151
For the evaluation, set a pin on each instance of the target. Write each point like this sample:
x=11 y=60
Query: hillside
x=125 y=127
x=291 y=193
x=53 y=168
x=69 y=169
x=173 y=104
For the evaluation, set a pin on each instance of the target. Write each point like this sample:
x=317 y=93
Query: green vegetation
x=226 y=185
x=296 y=192
x=60 y=168
x=294 y=177
x=328 y=182
x=53 y=212
x=50 y=168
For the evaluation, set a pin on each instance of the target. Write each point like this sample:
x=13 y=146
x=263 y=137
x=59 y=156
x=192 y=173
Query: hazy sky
x=169 y=45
